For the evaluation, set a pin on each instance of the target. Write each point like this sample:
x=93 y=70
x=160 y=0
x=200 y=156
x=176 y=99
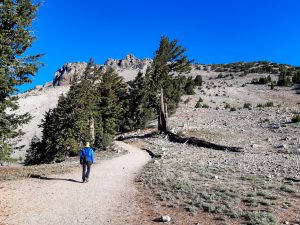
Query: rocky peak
x=65 y=74
x=130 y=64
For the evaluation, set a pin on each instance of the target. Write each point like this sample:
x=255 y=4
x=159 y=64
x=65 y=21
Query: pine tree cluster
x=100 y=104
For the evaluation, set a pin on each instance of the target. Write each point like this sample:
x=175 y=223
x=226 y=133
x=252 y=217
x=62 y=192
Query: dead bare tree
x=162 y=116
x=92 y=130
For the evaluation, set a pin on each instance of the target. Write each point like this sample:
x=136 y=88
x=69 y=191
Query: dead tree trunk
x=201 y=143
x=92 y=130
x=162 y=119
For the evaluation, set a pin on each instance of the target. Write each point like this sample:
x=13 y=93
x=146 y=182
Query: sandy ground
x=108 y=198
x=36 y=103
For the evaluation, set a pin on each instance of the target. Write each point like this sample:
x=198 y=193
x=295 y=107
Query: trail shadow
x=36 y=176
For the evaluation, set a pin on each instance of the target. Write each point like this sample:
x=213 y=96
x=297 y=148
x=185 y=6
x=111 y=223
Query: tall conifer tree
x=16 y=37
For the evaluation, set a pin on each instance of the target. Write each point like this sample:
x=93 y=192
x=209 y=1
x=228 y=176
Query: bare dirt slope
x=36 y=103
x=108 y=198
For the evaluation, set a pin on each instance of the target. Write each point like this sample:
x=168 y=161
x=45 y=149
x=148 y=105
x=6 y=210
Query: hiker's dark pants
x=86 y=167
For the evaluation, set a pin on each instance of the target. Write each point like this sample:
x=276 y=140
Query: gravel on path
x=108 y=198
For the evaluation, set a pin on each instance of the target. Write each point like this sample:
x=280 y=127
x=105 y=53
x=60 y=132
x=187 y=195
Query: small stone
x=165 y=219
x=254 y=146
x=281 y=146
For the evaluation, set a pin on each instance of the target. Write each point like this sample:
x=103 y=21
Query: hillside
x=259 y=185
x=222 y=83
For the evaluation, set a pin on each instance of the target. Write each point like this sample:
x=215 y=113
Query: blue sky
x=213 y=31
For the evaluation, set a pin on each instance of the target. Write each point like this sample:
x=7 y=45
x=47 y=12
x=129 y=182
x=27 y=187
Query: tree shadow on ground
x=36 y=176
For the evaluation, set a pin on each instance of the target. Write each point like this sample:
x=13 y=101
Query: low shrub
x=268 y=104
x=247 y=106
x=227 y=106
x=296 y=119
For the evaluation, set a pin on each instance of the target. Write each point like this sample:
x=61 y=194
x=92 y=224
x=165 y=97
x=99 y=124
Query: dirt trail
x=108 y=198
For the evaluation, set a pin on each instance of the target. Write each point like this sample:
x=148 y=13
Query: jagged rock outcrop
x=65 y=74
x=127 y=67
x=130 y=62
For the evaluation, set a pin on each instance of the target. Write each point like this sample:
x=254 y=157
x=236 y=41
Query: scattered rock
x=165 y=219
x=254 y=145
x=281 y=146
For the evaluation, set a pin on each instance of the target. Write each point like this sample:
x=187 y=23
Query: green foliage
x=15 y=68
x=284 y=80
x=247 y=106
x=104 y=102
x=296 y=77
x=4 y=151
x=67 y=126
x=144 y=91
x=220 y=75
x=198 y=105
x=104 y=141
x=296 y=119
x=227 y=106
x=205 y=106
x=198 y=80
x=189 y=86
x=268 y=104
x=33 y=153
x=261 y=80
x=260 y=218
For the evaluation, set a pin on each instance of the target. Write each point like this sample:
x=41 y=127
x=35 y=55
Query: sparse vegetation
x=198 y=80
x=296 y=119
x=227 y=106
x=189 y=86
x=267 y=104
x=181 y=184
x=247 y=106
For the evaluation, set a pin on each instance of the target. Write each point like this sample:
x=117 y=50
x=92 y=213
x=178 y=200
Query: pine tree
x=138 y=113
x=169 y=60
x=67 y=126
x=112 y=92
x=15 y=69
x=164 y=73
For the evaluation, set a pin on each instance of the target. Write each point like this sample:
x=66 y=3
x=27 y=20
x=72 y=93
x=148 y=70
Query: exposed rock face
x=65 y=75
x=130 y=63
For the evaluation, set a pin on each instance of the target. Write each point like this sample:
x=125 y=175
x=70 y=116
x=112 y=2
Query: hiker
x=86 y=160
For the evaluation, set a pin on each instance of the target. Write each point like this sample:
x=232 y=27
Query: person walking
x=86 y=160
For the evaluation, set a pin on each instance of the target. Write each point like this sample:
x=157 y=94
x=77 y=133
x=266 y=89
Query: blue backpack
x=87 y=152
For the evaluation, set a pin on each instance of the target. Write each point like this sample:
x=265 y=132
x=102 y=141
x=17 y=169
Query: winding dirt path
x=108 y=198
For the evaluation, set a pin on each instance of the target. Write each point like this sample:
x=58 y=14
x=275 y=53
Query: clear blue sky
x=213 y=31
